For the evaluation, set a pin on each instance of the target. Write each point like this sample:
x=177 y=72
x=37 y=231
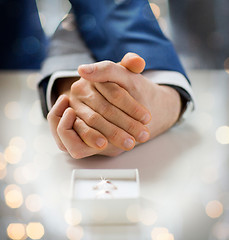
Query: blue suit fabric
x=22 y=41
x=111 y=28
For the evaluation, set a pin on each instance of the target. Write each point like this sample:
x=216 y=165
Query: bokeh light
x=3 y=162
x=13 y=110
x=226 y=65
x=33 y=203
x=161 y=233
x=133 y=213
x=156 y=10
x=73 y=216
x=148 y=216
x=222 y=135
x=13 y=196
x=13 y=154
x=35 y=230
x=214 y=209
x=32 y=80
x=75 y=232
x=16 y=231
x=18 y=142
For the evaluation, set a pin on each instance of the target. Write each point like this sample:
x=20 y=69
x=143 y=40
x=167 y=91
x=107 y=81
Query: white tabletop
x=184 y=178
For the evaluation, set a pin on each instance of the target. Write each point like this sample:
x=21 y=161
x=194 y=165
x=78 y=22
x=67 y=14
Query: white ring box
x=98 y=207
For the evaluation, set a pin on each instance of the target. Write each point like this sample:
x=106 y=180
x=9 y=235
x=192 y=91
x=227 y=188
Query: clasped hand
x=106 y=111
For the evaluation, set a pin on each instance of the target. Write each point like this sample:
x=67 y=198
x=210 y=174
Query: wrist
x=166 y=110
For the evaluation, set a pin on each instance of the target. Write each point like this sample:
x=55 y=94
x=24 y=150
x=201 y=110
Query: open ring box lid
x=111 y=203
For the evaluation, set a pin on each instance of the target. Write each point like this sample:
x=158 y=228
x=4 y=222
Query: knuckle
x=132 y=126
x=93 y=119
x=107 y=65
x=78 y=87
x=106 y=110
x=86 y=134
x=135 y=111
x=117 y=93
x=114 y=135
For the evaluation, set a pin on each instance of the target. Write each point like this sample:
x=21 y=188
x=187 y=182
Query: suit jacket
x=22 y=42
x=108 y=29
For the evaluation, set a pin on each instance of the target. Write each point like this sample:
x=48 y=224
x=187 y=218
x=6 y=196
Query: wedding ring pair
x=105 y=188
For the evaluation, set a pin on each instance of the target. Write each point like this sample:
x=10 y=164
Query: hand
x=163 y=102
x=118 y=137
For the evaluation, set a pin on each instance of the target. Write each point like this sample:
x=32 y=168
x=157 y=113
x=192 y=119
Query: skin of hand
x=129 y=116
x=163 y=102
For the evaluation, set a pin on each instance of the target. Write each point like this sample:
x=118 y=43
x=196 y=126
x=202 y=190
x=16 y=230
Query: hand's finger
x=107 y=71
x=115 y=135
x=72 y=142
x=120 y=98
x=133 y=62
x=54 y=117
x=90 y=136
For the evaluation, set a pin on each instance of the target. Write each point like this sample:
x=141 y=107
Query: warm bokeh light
x=226 y=65
x=133 y=213
x=74 y=232
x=16 y=231
x=222 y=135
x=3 y=162
x=73 y=216
x=35 y=230
x=156 y=10
x=165 y=236
x=161 y=233
x=32 y=80
x=148 y=216
x=18 y=142
x=13 y=154
x=214 y=209
x=33 y=203
x=12 y=110
x=13 y=196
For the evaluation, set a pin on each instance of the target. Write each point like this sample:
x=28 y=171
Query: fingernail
x=100 y=142
x=143 y=136
x=88 y=68
x=129 y=143
x=146 y=118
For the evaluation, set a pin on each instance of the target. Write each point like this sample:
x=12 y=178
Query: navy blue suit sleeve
x=22 y=42
x=113 y=28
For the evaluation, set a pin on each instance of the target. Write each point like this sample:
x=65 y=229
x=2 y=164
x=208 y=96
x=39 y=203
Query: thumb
x=133 y=62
